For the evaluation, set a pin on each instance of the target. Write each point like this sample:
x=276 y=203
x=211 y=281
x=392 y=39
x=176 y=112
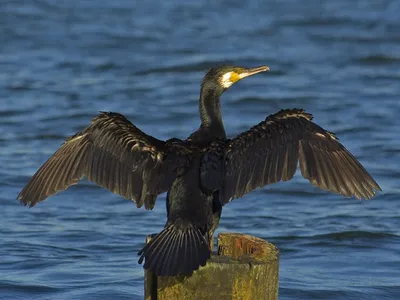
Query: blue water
x=63 y=61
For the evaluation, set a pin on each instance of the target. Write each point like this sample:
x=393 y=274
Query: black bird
x=201 y=173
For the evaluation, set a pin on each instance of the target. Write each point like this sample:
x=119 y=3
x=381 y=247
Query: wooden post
x=245 y=268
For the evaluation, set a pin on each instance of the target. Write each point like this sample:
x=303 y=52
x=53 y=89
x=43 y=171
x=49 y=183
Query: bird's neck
x=211 y=127
x=210 y=111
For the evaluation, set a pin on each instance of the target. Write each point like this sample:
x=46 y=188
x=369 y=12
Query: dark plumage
x=201 y=173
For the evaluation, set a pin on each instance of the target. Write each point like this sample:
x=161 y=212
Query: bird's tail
x=175 y=251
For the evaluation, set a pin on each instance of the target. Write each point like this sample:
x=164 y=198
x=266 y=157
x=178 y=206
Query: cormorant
x=201 y=173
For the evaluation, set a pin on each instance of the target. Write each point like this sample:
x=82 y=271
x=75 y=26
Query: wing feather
x=270 y=152
x=114 y=154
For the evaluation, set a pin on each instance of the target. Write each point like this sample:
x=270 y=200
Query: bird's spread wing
x=270 y=152
x=114 y=154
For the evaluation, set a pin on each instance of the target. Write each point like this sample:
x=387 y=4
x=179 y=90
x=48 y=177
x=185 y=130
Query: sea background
x=61 y=62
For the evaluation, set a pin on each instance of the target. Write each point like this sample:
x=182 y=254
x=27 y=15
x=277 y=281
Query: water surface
x=62 y=62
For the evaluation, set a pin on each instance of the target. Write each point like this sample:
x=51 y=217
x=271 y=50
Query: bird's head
x=225 y=76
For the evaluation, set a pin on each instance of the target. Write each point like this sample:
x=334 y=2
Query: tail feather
x=175 y=251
